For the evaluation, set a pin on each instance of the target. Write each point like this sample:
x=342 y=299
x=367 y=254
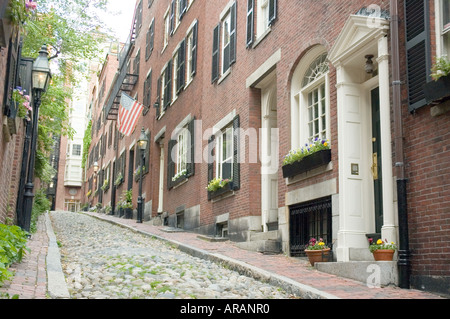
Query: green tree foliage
x=73 y=32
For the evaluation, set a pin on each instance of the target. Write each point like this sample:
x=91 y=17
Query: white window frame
x=226 y=21
x=182 y=151
x=166 y=28
x=300 y=107
x=73 y=150
x=442 y=33
x=228 y=133
x=262 y=18
x=189 y=45
x=174 y=75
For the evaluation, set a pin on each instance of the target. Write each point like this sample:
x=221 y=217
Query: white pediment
x=358 y=32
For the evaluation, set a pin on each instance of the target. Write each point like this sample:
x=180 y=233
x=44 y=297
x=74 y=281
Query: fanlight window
x=318 y=68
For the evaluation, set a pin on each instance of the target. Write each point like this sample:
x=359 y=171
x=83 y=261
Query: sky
x=121 y=23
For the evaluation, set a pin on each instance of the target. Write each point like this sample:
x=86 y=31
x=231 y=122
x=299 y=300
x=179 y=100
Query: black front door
x=376 y=160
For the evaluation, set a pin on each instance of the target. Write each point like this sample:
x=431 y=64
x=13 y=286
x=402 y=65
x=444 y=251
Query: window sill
x=259 y=39
x=182 y=181
x=224 y=75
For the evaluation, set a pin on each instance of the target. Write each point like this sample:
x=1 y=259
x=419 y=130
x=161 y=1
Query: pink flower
x=31 y=5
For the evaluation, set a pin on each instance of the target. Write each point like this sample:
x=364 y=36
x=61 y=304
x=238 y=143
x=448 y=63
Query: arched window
x=310 y=98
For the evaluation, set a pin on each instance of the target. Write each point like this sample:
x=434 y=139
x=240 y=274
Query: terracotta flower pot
x=383 y=254
x=316 y=256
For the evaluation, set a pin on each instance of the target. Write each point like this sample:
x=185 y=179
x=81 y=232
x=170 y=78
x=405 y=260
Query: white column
x=388 y=230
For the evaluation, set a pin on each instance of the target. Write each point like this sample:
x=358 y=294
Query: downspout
x=403 y=252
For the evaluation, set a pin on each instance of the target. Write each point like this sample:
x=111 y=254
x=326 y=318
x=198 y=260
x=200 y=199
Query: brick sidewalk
x=293 y=268
x=30 y=276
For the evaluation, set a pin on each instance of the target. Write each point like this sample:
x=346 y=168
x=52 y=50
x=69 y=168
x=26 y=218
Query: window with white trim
x=224 y=157
x=175 y=76
x=224 y=43
x=76 y=150
x=182 y=151
x=443 y=27
x=166 y=28
x=314 y=87
x=310 y=105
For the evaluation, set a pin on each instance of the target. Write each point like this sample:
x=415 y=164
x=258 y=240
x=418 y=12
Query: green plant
x=217 y=183
x=13 y=248
x=298 y=154
x=41 y=204
x=105 y=185
x=20 y=11
x=119 y=179
x=316 y=245
x=380 y=244
x=179 y=175
x=440 y=68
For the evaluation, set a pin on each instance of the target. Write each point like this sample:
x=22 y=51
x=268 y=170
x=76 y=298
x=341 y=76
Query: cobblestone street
x=103 y=261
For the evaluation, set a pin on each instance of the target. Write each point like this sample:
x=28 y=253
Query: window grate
x=307 y=220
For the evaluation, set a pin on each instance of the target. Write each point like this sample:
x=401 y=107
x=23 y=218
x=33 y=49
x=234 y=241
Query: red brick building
x=12 y=133
x=231 y=87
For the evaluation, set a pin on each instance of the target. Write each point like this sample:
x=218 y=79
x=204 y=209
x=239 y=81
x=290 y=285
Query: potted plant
x=127 y=203
x=317 y=251
x=306 y=158
x=382 y=250
x=438 y=90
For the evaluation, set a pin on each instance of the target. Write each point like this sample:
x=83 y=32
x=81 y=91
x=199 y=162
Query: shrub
x=12 y=248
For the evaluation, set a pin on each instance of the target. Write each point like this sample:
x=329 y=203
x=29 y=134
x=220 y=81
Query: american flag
x=129 y=111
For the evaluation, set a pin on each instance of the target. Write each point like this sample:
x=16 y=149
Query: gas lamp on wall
x=369 y=67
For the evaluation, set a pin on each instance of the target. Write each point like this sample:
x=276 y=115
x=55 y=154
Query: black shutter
x=190 y=166
x=158 y=98
x=170 y=164
x=168 y=85
x=215 y=54
x=150 y=40
x=233 y=34
x=181 y=66
x=211 y=146
x=236 y=155
x=172 y=17
x=194 y=49
x=418 y=54
x=250 y=21
x=10 y=109
x=148 y=89
x=272 y=11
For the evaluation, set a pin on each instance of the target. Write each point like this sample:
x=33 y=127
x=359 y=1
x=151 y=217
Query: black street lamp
x=142 y=144
x=40 y=78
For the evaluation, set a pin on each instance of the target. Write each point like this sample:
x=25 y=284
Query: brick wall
x=427 y=159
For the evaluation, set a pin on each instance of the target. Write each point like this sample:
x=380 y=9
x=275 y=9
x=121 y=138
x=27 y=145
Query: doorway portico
x=366 y=182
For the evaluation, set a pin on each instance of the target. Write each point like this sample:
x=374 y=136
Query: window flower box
x=308 y=163
x=437 y=91
x=218 y=187
x=307 y=158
